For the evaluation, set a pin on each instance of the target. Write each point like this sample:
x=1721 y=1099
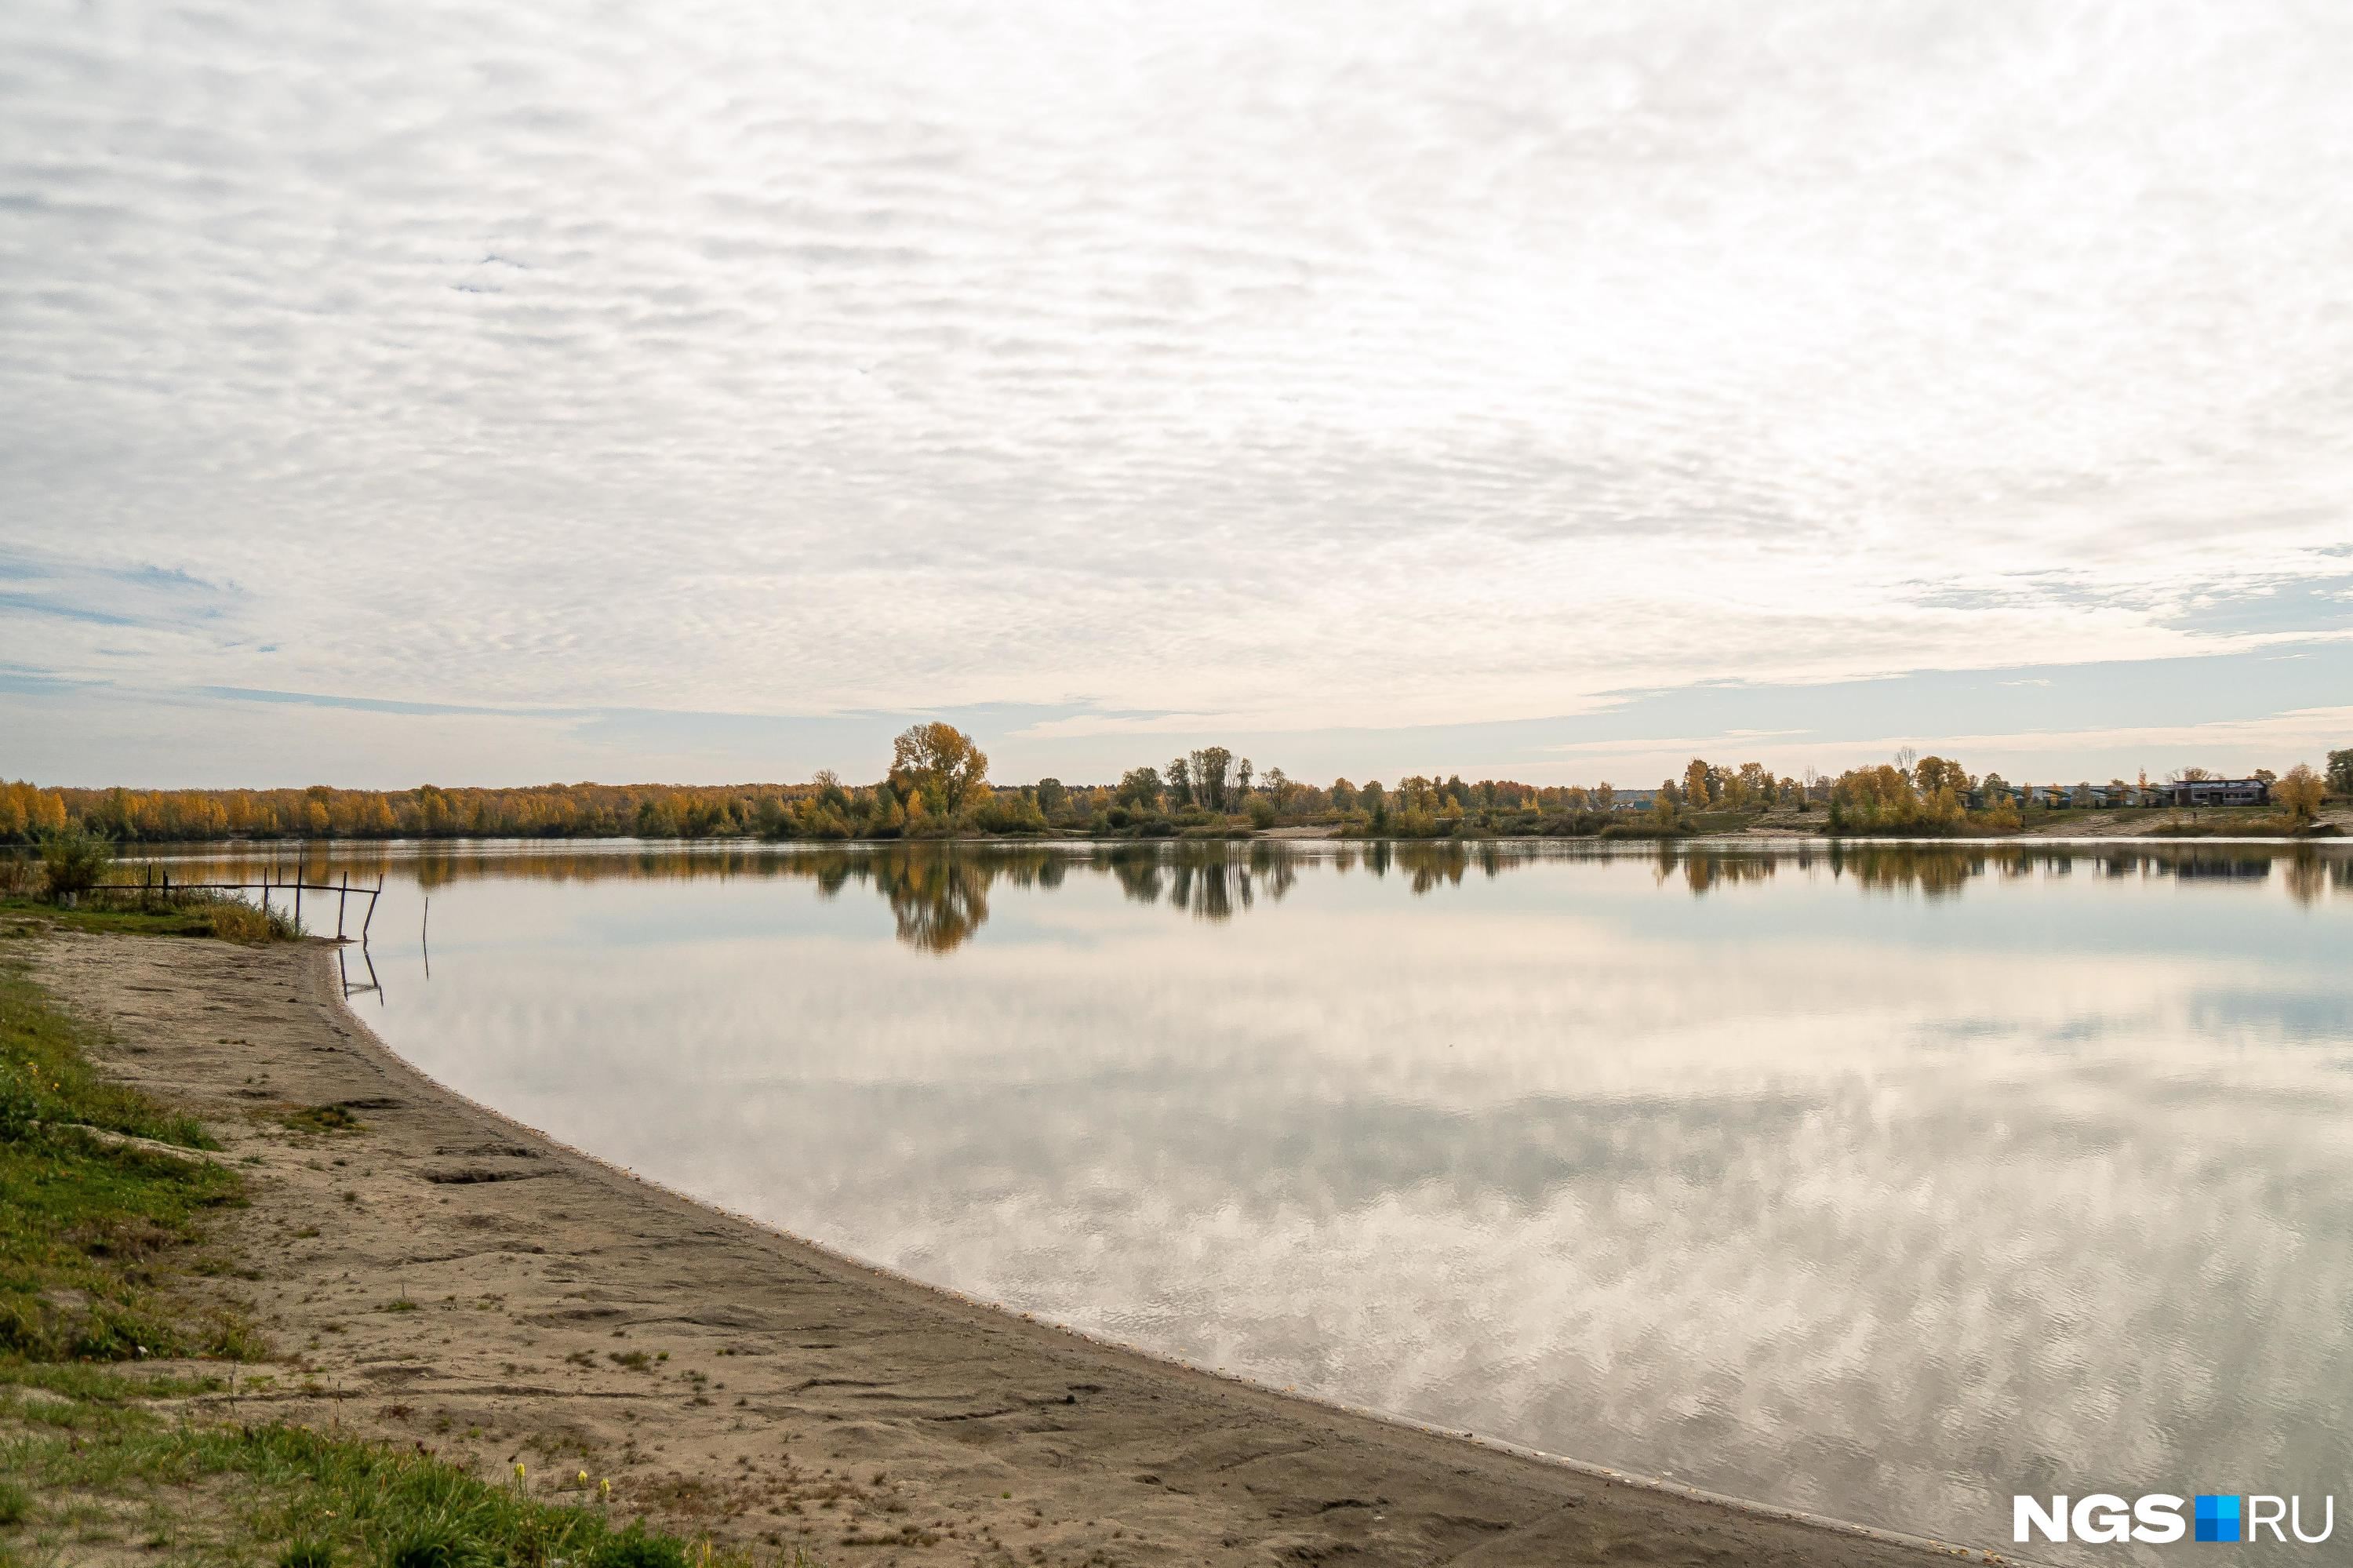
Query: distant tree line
x=937 y=786
x=552 y=811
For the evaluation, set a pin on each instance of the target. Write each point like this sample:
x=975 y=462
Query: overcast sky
x=495 y=393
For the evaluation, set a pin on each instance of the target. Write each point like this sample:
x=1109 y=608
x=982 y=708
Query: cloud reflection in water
x=1887 y=1183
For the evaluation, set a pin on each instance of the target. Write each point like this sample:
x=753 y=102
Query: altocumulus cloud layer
x=1135 y=367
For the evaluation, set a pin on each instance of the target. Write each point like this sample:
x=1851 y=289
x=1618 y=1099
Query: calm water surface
x=1885 y=1182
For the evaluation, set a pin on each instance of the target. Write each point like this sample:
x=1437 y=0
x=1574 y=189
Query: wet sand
x=441 y=1276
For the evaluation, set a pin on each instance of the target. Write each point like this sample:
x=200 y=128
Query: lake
x=1885 y=1182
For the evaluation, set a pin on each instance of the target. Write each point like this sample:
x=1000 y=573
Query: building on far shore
x=2215 y=793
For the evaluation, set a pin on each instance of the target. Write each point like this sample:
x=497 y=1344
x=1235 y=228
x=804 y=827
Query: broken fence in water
x=343 y=891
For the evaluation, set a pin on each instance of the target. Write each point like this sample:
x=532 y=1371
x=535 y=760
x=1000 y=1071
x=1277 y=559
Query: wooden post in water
x=370 y=914
x=298 y=901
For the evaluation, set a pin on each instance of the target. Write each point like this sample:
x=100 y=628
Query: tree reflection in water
x=938 y=897
x=938 y=893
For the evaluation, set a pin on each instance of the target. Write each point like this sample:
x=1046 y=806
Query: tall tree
x=939 y=763
x=1931 y=774
x=1212 y=771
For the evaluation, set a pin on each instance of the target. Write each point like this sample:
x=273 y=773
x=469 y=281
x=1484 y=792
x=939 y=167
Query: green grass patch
x=323 y=1118
x=140 y=912
x=87 y=1383
x=89 y=1228
x=46 y=1074
x=290 y=1495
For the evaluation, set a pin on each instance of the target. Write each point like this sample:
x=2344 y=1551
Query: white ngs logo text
x=2158 y=1517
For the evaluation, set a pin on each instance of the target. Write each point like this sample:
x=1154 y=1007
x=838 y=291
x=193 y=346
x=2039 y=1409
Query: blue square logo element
x=2218 y=1519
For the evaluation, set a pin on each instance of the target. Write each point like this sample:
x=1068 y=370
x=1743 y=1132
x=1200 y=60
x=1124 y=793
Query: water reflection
x=362 y=982
x=1887 y=1179
x=938 y=894
x=938 y=899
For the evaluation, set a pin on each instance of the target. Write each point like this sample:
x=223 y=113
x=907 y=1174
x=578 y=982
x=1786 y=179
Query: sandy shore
x=442 y=1276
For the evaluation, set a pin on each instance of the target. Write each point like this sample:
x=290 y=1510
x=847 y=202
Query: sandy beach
x=437 y=1275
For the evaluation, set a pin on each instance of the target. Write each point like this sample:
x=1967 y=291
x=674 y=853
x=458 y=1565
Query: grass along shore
x=123 y=1336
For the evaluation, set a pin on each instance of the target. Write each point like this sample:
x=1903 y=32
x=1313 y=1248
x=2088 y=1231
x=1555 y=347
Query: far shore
x=433 y=1274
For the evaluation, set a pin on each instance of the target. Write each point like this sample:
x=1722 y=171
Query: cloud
x=1371 y=366
x=2298 y=731
x=36 y=604
x=1118 y=724
x=1662 y=744
x=63 y=588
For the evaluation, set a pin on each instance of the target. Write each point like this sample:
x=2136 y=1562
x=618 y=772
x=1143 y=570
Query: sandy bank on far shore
x=442 y=1276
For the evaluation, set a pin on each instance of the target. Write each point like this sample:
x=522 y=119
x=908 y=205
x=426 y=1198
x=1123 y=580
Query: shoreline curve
x=1143 y=1458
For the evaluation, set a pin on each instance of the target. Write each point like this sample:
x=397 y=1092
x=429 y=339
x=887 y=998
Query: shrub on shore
x=73 y=859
